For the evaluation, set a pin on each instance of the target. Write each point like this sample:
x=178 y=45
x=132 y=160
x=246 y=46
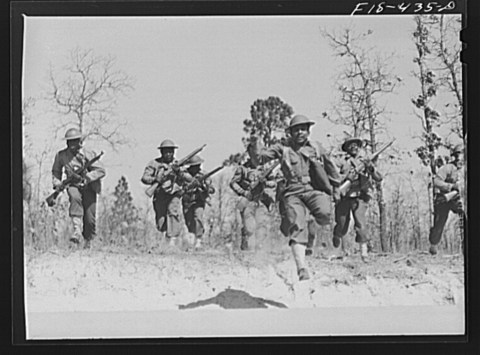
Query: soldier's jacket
x=160 y=171
x=295 y=164
x=200 y=193
x=363 y=181
x=446 y=176
x=66 y=161
x=246 y=175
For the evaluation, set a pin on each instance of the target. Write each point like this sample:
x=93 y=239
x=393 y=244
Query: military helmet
x=72 y=133
x=195 y=160
x=298 y=120
x=167 y=143
x=457 y=149
x=351 y=140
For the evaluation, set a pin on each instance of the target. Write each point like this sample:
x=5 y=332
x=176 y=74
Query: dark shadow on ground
x=231 y=298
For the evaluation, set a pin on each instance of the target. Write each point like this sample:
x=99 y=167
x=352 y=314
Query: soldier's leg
x=160 y=203
x=75 y=212
x=359 y=211
x=318 y=203
x=198 y=222
x=188 y=215
x=247 y=213
x=174 y=227
x=440 y=215
x=261 y=219
x=342 y=220
x=89 y=217
x=312 y=233
x=298 y=238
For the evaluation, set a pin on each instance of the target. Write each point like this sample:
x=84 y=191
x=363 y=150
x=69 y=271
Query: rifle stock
x=149 y=191
x=451 y=195
x=343 y=189
x=65 y=183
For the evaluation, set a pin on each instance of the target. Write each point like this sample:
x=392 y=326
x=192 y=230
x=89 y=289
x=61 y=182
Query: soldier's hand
x=336 y=195
x=455 y=187
x=368 y=165
x=248 y=195
x=176 y=168
x=352 y=175
x=76 y=178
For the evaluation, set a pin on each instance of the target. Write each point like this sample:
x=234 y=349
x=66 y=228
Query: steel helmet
x=167 y=143
x=351 y=140
x=457 y=149
x=195 y=160
x=72 y=133
x=298 y=120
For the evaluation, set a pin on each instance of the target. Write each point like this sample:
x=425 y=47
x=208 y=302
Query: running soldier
x=168 y=177
x=359 y=172
x=449 y=191
x=195 y=198
x=252 y=206
x=83 y=188
x=309 y=174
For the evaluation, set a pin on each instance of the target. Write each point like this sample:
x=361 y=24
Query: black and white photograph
x=236 y=176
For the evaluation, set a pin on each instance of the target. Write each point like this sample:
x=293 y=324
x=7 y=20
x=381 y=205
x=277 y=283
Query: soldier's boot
x=433 y=250
x=172 y=241
x=336 y=240
x=364 y=252
x=77 y=230
x=298 y=251
x=198 y=243
x=87 y=244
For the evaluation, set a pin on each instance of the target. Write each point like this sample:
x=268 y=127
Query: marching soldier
x=360 y=173
x=83 y=189
x=167 y=196
x=449 y=189
x=309 y=174
x=251 y=206
x=195 y=198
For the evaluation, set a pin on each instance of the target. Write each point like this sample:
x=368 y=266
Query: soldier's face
x=300 y=133
x=352 y=149
x=459 y=159
x=168 y=154
x=194 y=169
x=74 y=145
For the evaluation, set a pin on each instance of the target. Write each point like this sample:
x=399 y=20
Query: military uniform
x=251 y=210
x=194 y=202
x=167 y=196
x=82 y=195
x=355 y=201
x=446 y=180
x=299 y=194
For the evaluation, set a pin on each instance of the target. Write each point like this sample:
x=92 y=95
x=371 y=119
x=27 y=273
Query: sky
x=195 y=78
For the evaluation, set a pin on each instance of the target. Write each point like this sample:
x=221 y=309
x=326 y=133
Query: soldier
x=195 y=198
x=449 y=189
x=167 y=196
x=304 y=164
x=84 y=188
x=355 y=201
x=251 y=207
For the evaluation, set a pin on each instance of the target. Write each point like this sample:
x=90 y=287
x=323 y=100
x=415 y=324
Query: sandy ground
x=186 y=281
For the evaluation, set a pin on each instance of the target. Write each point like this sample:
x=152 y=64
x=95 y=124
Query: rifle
x=151 y=189
x=65 y=183
x=197 y=182
x=257 y=187
x=346 y=185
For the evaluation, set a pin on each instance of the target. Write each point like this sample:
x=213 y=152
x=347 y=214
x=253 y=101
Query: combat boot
x=336 y=241
x=364 y=252
x=303 y=274
x=433 y=250
x=244 y=244
x=77 y=230
x=198 y=243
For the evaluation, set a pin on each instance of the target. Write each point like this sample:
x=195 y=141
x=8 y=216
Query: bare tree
x=86 y=91
x=365 y=77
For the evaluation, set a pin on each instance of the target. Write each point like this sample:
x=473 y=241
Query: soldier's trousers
x=357 y=206
x=440 y=216
x=284 y=225
x=194 y=219
x=295 y=218
x=83 y=203
x=252 y=213
x=167 y=214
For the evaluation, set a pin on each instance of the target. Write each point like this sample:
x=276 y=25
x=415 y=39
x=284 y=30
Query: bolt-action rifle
x=258 y=186
x=65 y=183
x=343 y=189
x=151 y=189
x=199 y=181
